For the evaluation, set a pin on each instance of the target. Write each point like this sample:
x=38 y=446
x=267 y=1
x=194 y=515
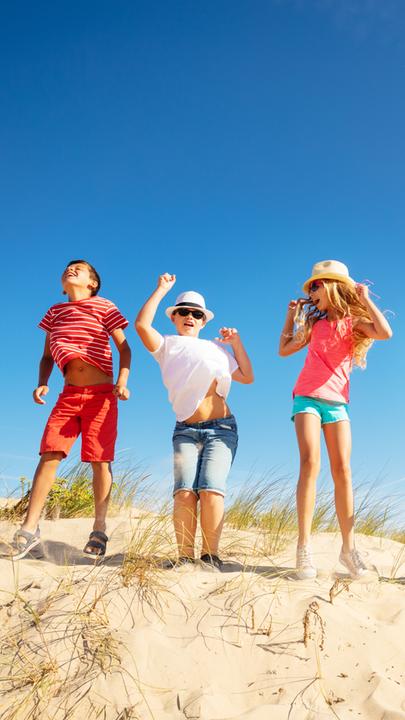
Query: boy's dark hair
x=93 y=273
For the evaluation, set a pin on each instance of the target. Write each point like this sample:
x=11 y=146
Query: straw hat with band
x=193 y=301
x=329 y=270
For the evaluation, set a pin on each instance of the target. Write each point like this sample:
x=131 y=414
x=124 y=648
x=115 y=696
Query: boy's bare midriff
x=211 y=408
x=78 y=372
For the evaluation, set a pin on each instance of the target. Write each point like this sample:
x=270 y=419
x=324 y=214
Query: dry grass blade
x=340 y=585
x=146 y=558
x=314 y=626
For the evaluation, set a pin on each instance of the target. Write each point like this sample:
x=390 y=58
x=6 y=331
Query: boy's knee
x=184 y=497
x=209 y=497
x=54 y=455
x=101 y=465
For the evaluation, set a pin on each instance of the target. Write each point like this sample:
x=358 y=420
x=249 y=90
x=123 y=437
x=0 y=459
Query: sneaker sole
x=356 y=576
x=95 y=557
x=208 y=568
x=304 y=575
x=29 y=550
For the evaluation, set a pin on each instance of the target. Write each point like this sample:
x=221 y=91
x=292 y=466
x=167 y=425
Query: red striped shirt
x=81 y=329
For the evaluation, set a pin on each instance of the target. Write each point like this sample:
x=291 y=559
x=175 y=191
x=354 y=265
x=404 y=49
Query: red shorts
x=91 y=411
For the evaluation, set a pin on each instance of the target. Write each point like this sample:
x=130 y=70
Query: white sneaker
x=353 y=562
x=305 y=564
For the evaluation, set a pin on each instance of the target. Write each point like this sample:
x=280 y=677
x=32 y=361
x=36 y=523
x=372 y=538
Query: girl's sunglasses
x=315 y=285
x=197 y=314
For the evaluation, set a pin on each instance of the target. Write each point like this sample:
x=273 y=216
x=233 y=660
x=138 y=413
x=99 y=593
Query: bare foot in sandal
x=96 y=544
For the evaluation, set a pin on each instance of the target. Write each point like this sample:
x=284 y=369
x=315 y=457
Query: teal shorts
x=328 y=412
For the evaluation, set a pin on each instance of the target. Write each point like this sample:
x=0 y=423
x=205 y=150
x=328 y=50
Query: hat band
x=190 y=304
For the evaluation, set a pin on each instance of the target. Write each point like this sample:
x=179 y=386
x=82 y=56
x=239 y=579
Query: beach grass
x=268 y=504
x=72 y=493
x=61 y=648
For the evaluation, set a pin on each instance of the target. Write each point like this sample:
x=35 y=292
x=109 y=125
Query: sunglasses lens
x=197 y=314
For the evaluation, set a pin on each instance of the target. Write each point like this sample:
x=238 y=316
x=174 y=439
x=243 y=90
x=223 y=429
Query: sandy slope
x=196 y=644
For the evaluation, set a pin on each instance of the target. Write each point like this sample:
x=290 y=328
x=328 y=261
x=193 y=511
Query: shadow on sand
x=63 y=554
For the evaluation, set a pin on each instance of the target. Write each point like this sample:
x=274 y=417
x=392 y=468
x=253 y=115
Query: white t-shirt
x=189 y=366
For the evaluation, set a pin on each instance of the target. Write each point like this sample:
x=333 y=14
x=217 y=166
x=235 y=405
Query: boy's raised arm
x=244 y=372
x=150 y=337
x=45 y=369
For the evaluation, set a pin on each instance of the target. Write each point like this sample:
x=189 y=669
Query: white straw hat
x=192 y=300
x=329 y=270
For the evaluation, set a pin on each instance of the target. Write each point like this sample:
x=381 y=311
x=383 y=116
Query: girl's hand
x=363 y=292
x=166 y=282
x=292 y=307
x=229 y=336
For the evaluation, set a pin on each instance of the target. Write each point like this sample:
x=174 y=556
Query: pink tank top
x=327 y=367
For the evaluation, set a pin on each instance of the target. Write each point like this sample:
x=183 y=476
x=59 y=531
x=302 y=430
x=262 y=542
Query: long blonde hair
x=345 y=302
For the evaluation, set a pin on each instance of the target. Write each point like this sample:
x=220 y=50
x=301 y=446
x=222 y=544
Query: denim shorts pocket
x=228 y=425
x=228 y=434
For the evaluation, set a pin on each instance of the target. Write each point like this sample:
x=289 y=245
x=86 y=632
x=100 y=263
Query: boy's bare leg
x=44 y=478
x=212 y=520
x=102 y=482
x=185 y=521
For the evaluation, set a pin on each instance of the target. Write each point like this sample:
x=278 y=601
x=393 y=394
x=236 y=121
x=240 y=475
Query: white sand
x=196 y=644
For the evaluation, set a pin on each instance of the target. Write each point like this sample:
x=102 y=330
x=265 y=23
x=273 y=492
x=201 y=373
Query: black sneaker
x=184 y=560
x=179 y=563
x=211 y=561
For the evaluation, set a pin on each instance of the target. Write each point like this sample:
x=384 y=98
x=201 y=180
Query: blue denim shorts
x=203 y=454
x=328 y=412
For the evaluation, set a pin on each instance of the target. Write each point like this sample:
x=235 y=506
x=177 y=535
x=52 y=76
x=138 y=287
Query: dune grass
x=268 y=504
x=56 y=647
x=72 y=493
x=265 y=503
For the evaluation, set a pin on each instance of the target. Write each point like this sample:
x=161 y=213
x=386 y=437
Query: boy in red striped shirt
x=77 y=339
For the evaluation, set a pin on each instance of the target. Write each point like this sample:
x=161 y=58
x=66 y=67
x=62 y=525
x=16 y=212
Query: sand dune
x=86 y=641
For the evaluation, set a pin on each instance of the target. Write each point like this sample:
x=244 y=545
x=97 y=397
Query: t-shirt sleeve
x=113 y=319
x=232 y=363
x=160 y=352
x=46 y=322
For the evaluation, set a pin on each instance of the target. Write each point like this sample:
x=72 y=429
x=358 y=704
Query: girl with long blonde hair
x=338 y=322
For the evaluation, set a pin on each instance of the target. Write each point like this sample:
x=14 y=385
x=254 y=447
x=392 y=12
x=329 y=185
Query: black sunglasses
x=197 y=314
x=315 y=285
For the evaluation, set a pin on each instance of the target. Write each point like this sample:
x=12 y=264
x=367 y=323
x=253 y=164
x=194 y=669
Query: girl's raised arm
x=289 y=344
x=379 y=328
x=150 y=337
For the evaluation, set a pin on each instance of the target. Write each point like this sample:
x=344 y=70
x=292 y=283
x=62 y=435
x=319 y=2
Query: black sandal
x=97 y=541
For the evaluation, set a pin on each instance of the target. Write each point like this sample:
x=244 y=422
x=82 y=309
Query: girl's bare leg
x=339 y=443
x=185 y=521
x=212 y=520
x=307 y=428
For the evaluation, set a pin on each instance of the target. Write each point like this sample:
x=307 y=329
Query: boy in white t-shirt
x=198 y=375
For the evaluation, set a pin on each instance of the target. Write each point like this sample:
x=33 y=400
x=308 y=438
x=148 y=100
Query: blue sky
x=232 y=143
